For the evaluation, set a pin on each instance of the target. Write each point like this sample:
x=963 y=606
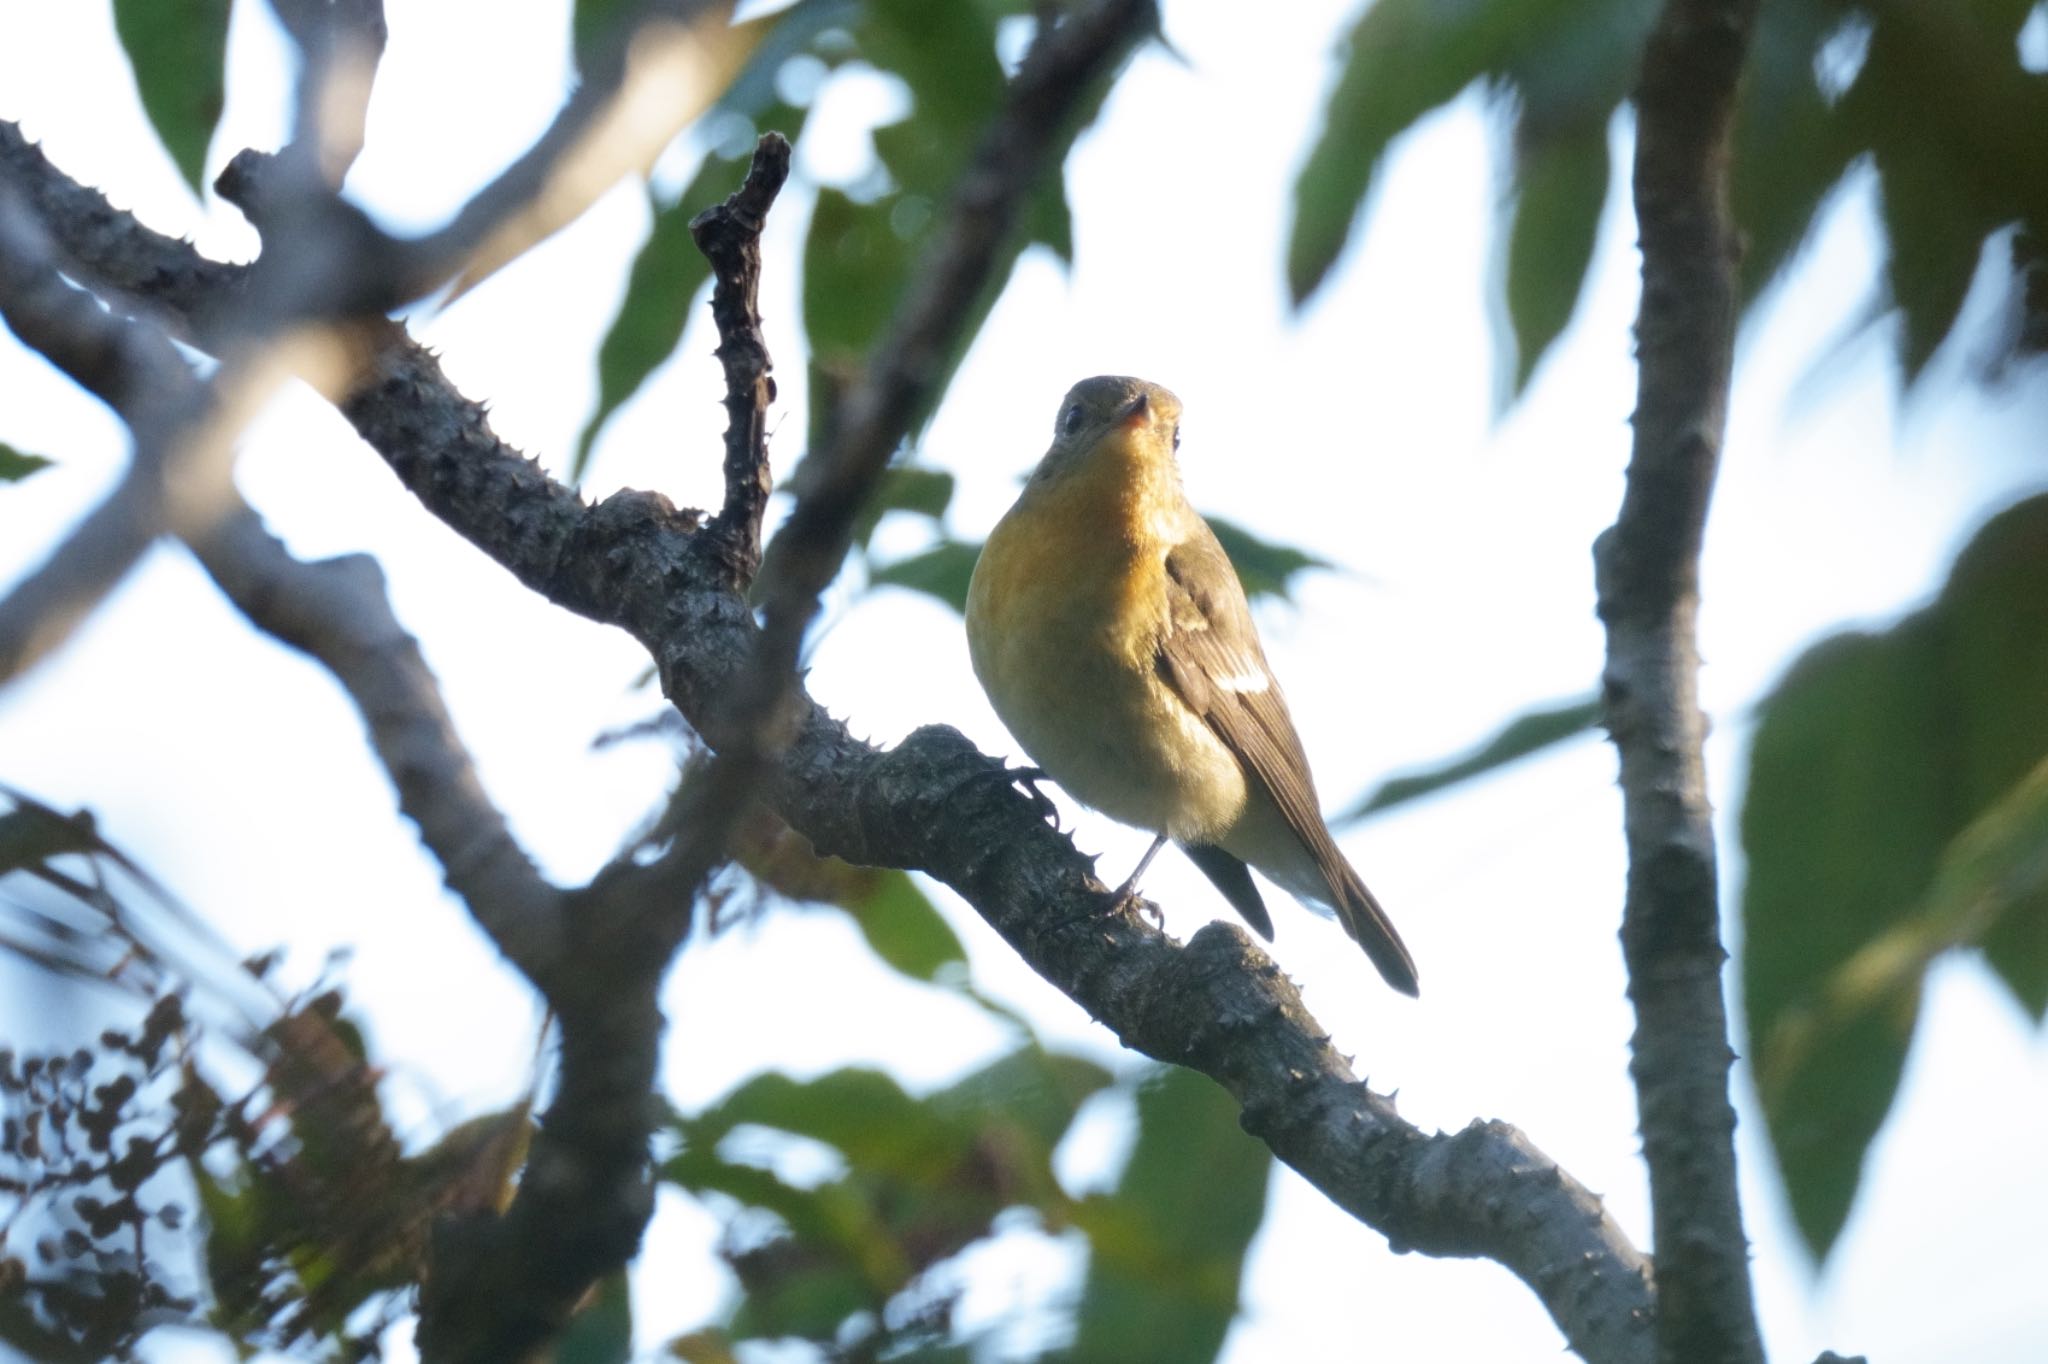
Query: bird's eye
x=1070 y=420
x=1176 y=436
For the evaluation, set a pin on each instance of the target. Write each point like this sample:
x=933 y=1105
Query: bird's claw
x=1128 y=899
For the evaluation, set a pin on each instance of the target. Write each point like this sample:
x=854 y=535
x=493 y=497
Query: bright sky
x=1364 y=431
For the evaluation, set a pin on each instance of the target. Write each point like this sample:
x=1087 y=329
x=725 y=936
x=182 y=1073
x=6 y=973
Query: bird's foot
x=1129 y=900
x=1127 y=896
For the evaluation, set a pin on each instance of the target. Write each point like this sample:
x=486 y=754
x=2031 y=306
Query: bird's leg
x=1129 y=889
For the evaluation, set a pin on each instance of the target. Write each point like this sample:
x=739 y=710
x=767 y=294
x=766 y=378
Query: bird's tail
x=1363 y=918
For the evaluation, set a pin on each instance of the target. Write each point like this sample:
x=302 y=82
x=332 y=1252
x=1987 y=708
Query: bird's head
x=1111 y=415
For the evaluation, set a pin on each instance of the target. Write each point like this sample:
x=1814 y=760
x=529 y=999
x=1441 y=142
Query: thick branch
x=1648 y=571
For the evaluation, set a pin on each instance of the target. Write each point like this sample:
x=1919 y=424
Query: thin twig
x=1647 y=566
x=729 y=235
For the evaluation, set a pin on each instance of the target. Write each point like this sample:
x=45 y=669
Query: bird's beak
x=1138 y=412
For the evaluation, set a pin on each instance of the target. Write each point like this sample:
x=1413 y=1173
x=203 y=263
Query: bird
x=1112 y=635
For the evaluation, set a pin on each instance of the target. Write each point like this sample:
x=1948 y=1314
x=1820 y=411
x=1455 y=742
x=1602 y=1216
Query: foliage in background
x=1897 y=810
x=1932 y=97
x=313 y=1219
x=178 y=49
x=1896 y=798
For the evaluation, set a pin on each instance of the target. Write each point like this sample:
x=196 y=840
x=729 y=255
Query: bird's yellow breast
x=1064 y=617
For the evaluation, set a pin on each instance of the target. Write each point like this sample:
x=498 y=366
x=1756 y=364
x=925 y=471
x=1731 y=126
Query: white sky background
x=1363 y=431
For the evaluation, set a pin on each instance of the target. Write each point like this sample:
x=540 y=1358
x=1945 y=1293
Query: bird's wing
x=1210 y=655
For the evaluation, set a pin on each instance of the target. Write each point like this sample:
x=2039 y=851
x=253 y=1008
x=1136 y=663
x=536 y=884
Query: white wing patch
x=1253 y=681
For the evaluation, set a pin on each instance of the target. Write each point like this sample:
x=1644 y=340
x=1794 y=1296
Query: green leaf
x=1992 y=888
x=601 y=1332
x=1266 y=568
x=1954 y=127
x=904 y=488
x=1035 y=1093
x=1402 y=59
x=905 y=928
x=1840 y=833
x=1167 y=1251
x=708 y=1345
x=924 y=1179
x=31 y=834
x=862 y=1113
x=1517 y=739
x=178 y=50
x=855 y=263
x=943 y=571
x=858 y=254
x=16 y=465
x=1791 y=149
x=591 y=22
x=1892 y=794
x=1996 y=619
x=898 y=920
x=1561 y=183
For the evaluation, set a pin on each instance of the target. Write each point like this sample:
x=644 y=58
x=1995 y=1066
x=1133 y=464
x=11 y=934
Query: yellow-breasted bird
x=1113 y=638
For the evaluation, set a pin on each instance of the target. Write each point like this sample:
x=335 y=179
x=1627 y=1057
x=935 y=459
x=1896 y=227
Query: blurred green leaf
x=896 y=917
x=862 y=1113
x=1953 y=123
x=1167 y=1250
x=1996 y=618
x=1890 y=783
x=1840 y=833
x=1035 y=1094
x=1561 y=183
x=1402 y=59
x=1517 y=739
x=943 y=571
x=707 y=1346
x=857 y=256
x=178 y=50
x=31 y=834
x=16 y=465
x=601 y=1332
x=1266 y=568
x=1791 y=149
x=905 y=929
x=923 y=1179
x=591 y=22
x=1933 y=237
x=854 y=265
x=904 y=488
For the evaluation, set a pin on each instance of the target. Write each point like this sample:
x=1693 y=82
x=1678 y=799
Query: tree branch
x=139 y=375
x=729 y=235
x=337 y=612
x=934 y=804
x=1647 y=566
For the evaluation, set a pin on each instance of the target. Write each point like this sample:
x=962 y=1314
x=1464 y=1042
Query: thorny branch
x=1647 y=566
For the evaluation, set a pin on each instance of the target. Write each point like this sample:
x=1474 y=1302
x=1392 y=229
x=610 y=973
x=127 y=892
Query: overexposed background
x=1366 y=430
